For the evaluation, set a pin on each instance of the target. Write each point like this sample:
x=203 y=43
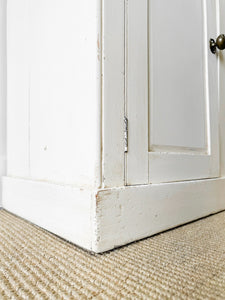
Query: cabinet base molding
x=101 y=220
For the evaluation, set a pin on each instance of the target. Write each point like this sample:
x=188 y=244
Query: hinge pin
x=125 y=134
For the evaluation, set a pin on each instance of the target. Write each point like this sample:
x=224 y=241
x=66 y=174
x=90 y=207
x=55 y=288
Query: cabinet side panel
x=64 y=92
x=17 y=88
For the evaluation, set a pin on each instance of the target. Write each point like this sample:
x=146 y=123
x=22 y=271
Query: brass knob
x=219 y=43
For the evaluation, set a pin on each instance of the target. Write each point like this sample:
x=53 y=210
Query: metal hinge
x=125 y=134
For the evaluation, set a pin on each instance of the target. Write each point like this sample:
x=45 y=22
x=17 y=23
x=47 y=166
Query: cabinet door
x=171 y=90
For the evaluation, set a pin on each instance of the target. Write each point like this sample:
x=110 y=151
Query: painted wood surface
x=132 y=213
x=101 y=220
x=63 y=210
x=51 y=112
x=165 y=144
x=137 y=91
x=54 y=91
x=18 y=88
x=177 y=87
x=113 y=92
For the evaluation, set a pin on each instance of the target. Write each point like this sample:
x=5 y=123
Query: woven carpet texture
x=185 y=263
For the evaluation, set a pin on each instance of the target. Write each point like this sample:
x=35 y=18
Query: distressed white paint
x=63 y=125
x=137 y=91
x=113 y=92
x=64 y=210
x=17 y=88
x=54 y=91
x=178 y=139
x=100 y=220
x=131 y=213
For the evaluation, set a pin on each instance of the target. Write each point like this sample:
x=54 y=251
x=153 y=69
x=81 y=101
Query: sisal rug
x=184 y=263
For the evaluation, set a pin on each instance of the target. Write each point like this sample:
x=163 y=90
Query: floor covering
x=185 y=263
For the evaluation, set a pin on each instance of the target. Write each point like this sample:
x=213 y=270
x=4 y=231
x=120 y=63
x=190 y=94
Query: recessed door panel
x=177 y=87
x=171 y=91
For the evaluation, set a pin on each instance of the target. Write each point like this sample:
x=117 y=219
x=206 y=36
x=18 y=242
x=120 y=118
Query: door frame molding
x=113 y=91
x=113 y=102
x=136 y=46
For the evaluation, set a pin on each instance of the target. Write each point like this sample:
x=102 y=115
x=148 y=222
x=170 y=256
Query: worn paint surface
x=127 y=214
x=54 y=91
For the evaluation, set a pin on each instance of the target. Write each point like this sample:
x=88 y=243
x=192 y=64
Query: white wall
x=54 y=87
x=2 y=88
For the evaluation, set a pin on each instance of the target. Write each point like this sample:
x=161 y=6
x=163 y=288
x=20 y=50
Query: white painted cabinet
x=115 y=116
